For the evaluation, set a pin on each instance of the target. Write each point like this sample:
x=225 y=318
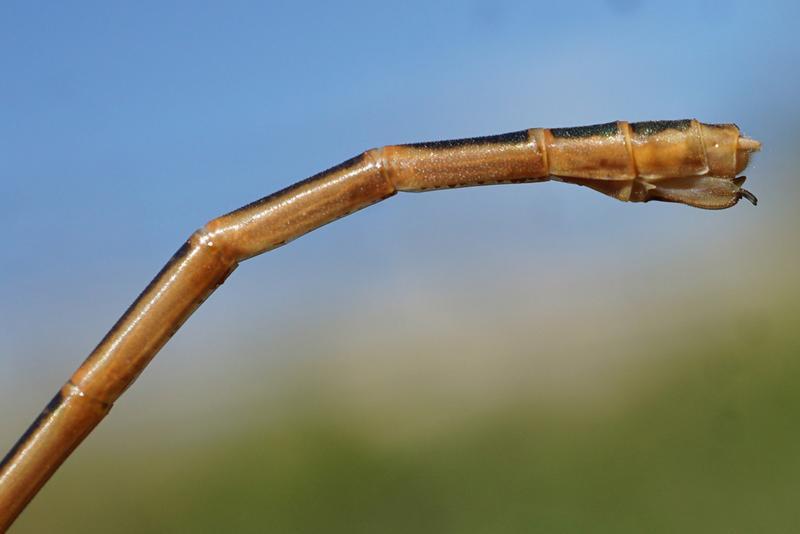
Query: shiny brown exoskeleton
x=677 y=161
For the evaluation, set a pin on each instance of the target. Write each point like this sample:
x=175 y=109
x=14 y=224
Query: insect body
x=677 y=161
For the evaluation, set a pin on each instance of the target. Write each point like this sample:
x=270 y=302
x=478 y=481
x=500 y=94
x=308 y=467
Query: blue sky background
x=124 y=126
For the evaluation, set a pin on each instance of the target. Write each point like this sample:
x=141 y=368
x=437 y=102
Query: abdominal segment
x=683 y=161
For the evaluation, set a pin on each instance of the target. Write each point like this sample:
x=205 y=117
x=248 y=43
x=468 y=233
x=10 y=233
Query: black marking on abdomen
x=350 y=163
x=653 y=127
x=721 y=126
x=502 y=139
x=49 y=409
x=176 y=258
x=607 y=129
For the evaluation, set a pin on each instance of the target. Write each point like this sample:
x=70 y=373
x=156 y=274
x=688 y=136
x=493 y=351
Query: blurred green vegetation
x=706 y=442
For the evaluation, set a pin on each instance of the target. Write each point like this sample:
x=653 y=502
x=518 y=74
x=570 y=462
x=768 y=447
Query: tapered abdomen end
x=727 y=154
x=684 y=161
x=744 y=148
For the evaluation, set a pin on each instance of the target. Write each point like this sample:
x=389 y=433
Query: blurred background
x=535 y=358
